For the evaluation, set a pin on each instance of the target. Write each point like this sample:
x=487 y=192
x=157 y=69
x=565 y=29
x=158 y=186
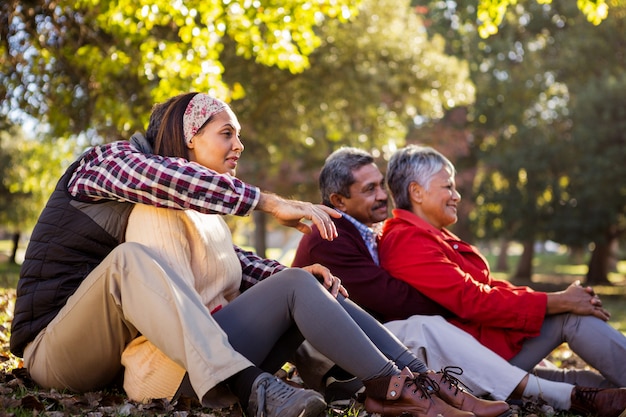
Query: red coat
x=454 y=274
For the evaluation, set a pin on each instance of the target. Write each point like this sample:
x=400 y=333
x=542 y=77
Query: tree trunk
x=598 y=272
x=614 y=255
x=16 y=241
x=577 y=254
x=502 y=263
x=260 y=233
x=524 y=271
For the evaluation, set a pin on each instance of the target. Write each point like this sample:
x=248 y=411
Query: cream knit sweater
x=199 y=248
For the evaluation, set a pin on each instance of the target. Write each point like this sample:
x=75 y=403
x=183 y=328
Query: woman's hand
x=577 y=299
x=328 y=280
x=292 y=212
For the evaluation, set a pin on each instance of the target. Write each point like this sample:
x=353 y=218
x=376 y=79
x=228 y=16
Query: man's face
x=368 y=198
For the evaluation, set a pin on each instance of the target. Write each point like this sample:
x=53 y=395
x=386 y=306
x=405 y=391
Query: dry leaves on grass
x=20 y=396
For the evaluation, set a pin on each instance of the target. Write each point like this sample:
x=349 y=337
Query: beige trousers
x=130 y=294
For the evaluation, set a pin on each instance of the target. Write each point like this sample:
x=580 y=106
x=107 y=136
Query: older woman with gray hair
x=518 y=323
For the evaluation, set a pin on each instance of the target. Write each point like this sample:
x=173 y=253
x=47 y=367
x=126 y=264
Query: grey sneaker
x=272 y=397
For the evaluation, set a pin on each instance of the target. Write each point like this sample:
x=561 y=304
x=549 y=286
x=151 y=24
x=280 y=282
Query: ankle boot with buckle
x=455 y=393
x=601 y=402
x=407 y=394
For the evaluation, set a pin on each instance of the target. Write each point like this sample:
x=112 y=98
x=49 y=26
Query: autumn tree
x=99 y=65
x=585 y=153
x=594 y=210
x=362 y=89
x=491 y=14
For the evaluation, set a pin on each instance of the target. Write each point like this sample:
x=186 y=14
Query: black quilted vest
x=70 y=239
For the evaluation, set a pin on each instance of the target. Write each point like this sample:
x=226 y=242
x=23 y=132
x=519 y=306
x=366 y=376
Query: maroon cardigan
x=370 y=286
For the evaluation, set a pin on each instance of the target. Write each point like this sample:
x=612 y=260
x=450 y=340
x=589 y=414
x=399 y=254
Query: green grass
x=9 y=274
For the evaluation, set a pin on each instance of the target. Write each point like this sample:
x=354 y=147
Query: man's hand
x=328 y=280
x=292 y=212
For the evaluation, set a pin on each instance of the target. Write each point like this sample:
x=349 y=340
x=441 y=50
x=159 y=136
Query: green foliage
x=596 y=208
x=527 y=78
x=99 y=65
x=9 y=273
x=543 y=120
x=513 y=122
x=491 y=13
x=29 y=169
x=592 y=206
x=362 y=89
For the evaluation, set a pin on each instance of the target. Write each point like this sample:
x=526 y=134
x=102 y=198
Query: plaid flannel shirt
x=119 y=171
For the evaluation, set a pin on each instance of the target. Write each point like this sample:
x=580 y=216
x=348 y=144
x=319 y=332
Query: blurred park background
x=527 y=98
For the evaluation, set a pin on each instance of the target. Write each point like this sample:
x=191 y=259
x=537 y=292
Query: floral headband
x=198 y=111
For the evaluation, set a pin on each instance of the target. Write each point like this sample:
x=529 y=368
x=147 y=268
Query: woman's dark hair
x=170 y=139
x=156 y=117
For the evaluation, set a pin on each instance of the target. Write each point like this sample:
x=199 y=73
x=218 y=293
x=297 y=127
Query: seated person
x=519 y=324
x=85 y=296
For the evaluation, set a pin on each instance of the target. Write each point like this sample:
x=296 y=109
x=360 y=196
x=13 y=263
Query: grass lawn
x=17 y=398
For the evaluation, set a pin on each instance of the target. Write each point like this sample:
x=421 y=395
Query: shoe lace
x=270 y=392
x=447 y=376
x=423 y=383
x=260 y=398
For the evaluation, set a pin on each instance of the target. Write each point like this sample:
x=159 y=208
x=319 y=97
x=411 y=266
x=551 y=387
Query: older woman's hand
x=577 y=299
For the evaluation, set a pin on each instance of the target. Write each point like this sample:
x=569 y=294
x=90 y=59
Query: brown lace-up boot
x=407 y=394
x=607 y=402
x=455 y=393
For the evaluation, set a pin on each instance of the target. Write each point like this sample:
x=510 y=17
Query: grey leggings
x=269 y=321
